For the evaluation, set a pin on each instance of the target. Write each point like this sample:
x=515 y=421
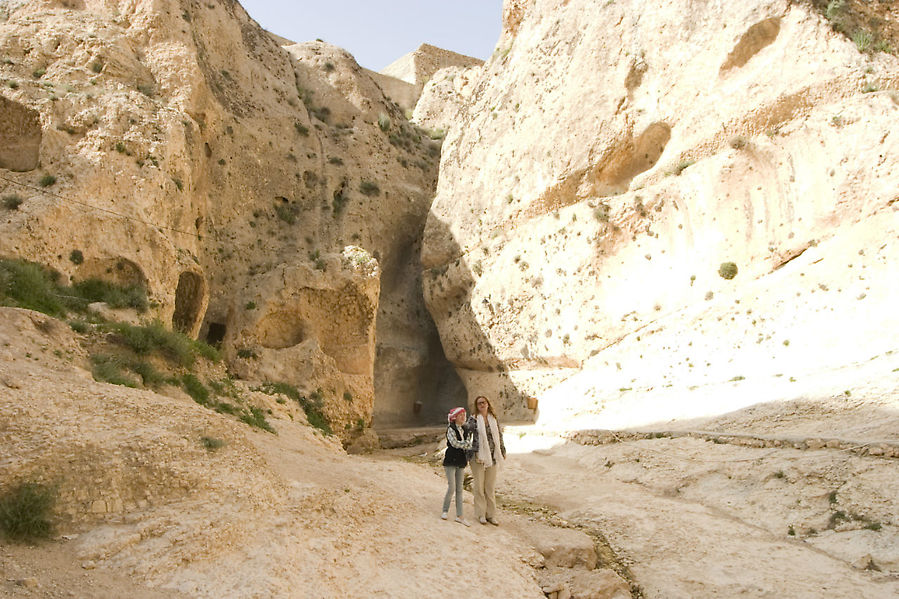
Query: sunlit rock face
x=647 y=212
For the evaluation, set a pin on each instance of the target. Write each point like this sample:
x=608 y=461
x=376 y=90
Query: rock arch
x=191 y=297
x=118 y=270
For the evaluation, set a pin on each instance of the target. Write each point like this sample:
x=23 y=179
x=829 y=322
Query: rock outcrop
x=645 y=214
x=177 y=146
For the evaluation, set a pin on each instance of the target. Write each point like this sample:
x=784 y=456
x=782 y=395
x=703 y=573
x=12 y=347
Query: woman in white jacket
x=486 y=458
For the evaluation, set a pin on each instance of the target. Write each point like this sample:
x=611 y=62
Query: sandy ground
x=695 y=518
x=291 y=515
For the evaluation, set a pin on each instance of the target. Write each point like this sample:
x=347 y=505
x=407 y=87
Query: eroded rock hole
x=188 y=302
x=753 y=41
x=631 y=158
x=20 y=136
x=281 y=329
x=216 y=333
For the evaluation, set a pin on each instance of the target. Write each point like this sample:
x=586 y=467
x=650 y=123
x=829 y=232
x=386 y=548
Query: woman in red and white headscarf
x=487 y=454
x=458 y=442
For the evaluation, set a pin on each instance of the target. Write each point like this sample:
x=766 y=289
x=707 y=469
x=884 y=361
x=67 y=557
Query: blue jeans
x=454 y=477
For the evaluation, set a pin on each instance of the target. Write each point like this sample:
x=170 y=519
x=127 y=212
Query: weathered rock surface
x=613 y=158
x=193 y=155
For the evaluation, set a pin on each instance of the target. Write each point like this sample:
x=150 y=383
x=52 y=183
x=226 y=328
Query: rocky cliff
x=646 y=212
x=270 y=199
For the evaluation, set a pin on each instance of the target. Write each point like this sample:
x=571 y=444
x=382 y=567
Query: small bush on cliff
x=25 y=511
x=270 y=388
x=155 y=337
x=863 y=40
x=727 y=270
x=212 y=443
x=115 y=296
x=383 y=122
x=29 y=285
x=46 y=181
x=255 y=417
x=195 y=389
x=369 y=188
x=12 y=202
x=109 y=369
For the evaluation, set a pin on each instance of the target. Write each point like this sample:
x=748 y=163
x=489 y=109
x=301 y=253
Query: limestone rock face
x=444 y=95
x=612 y=171
x=181 y=148
x=300 y=323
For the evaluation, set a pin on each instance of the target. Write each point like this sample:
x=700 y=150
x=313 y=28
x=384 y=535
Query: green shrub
x=246 y=353
x=682 y=166
x=97 y=66
x=883 y=46
x=76 y=257
x=322 y=113
x=834 y=8
x=301 y=129
x=369 y=188
x=38 y=73
x=287 y=212
x=155 y=337
x=383 y=122
x=340 y=200
x=727 y=270
x=195 y=389
x=255 y=417
x=250 y=306
x=46 y=181
x=79 y=326
x=97 y=290
x=29 y=285
x=211 y=443
x=863 y=40
x=109 y=369
x=12 y=202
x=149 y=375
x=25 y=511
x=270 y=388
x=312 y=406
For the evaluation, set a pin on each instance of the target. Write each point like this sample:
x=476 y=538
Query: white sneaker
x=443 y=516
x=482 y=520
x=462 y=520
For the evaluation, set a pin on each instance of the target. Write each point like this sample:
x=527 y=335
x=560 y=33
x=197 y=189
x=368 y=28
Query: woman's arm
x=455 y=441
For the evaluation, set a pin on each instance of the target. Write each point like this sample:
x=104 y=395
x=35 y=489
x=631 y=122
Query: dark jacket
x=457 y=443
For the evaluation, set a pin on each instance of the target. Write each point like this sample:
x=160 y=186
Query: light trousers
x=484 y=490
x=454 y=478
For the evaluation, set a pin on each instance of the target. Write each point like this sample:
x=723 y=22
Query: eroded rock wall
x=613 y=157
x=175 y=144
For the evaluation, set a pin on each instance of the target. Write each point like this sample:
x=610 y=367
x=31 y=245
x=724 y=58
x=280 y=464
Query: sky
x=377 y=32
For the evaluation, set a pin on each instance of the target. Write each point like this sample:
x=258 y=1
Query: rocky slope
x=648 y=214
x=177 y=146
